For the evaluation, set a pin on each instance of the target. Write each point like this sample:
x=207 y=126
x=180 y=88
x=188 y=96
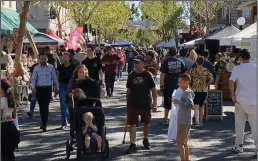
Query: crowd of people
x=95 y=72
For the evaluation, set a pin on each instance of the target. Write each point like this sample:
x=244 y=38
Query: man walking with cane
x=141 y=98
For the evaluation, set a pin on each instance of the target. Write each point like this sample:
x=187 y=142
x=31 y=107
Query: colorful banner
x=75 y=38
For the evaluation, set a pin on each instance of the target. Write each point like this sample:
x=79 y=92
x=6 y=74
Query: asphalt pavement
x=212 y=142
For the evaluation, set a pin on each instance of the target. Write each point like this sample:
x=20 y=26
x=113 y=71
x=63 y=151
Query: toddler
x=89 y=131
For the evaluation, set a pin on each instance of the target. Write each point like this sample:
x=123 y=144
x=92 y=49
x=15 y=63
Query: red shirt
x=109 y=58
x=122 y=57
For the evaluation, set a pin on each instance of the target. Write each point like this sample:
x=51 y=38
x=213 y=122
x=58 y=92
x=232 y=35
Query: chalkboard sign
x=215 y=103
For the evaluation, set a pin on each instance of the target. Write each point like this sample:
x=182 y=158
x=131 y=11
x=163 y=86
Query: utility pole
x=98 y=31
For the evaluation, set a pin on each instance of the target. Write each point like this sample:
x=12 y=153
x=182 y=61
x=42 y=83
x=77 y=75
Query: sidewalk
x=211 y=143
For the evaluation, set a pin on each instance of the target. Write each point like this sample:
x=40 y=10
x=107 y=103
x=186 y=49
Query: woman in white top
x=10 y=136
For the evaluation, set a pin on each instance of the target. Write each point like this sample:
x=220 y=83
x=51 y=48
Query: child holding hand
x=184 y=116
x=89 y=131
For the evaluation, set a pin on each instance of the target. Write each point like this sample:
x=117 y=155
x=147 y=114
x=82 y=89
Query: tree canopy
x=166 y=15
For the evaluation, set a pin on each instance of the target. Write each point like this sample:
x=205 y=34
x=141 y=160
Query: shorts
x=183 y=132
x=133 y=116
x=167 y=94
x=92 y=135
x=199 y=98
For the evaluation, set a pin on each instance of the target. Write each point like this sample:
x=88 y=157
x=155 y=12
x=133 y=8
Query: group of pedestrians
x=193 y=73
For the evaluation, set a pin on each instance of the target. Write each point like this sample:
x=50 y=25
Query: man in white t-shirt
x=244 y=97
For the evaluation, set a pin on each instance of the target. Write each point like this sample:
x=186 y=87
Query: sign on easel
x=214 y=104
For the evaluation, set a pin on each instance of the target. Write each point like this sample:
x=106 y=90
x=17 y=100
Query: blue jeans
x=33 y=102
x=63 y=106
x=120 y=71
x=130 y=67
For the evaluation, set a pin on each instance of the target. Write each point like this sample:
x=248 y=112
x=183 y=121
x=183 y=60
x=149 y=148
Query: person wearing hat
x=130 y=54
x=244 y=95
x=170 y=69
x=141 y=98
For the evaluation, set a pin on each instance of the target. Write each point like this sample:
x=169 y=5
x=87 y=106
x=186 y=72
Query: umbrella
x=171 y=43
x=121 y=43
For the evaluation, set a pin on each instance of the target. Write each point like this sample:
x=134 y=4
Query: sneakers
x=238 y=149
x=146 y=144
x=163 y=121
x=131 y=149
x=98 y=150
x=30 y=114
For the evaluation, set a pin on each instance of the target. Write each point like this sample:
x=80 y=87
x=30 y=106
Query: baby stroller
x=79 y=108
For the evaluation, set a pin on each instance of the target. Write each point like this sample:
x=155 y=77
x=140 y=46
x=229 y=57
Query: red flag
x=75 y=38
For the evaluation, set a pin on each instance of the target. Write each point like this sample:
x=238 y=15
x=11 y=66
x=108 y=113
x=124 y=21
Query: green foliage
x=166 y=15
x=203 y=12
x=108 y=16
x=80 y=12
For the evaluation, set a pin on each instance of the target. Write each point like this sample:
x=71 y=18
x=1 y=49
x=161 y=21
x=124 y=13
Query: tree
x=25 y=6
x=202 y=13
x=80 y=12
x=108 y=16
x=166 y=15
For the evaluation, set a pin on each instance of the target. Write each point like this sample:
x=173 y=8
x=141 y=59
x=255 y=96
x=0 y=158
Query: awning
x=10 y=20
x=235 y=40
x=44 y=39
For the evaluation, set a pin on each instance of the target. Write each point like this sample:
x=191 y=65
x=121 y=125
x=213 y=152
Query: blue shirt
x=208 y=65
x=44 y=76
x=188 y=62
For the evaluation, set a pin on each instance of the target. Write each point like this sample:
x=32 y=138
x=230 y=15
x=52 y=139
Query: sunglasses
x=136 y=62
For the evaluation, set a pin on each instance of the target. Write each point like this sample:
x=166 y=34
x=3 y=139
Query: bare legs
x=87 y=141
x=132 y=130
x=198 y=114
x=183 y=151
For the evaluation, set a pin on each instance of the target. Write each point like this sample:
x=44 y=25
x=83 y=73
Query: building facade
x=230 y=14
x=40 y=17
x=9 y=4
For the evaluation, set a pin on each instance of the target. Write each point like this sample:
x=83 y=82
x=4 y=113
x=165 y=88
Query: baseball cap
x=139 y=58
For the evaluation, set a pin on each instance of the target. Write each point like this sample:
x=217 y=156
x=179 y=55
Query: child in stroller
x=89 y=131
x=87 y=127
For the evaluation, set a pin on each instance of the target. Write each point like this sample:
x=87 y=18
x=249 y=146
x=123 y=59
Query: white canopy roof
x=227 y=31
x=235 y=40
x=190 y=43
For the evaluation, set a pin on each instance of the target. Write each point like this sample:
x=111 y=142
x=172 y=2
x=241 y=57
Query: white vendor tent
x=227 y=31
x=190 y=43
x=235 y=40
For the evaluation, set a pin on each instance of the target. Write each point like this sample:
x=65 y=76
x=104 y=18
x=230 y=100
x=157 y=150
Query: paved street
x=211 y=143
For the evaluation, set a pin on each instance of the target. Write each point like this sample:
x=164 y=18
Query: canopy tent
x=161 y=44
x=121 y=43
x=42 y=39
x=10 y=19
x=170 y=44
x=228 y=30
x=190 y=43
x=235 y=40
x=102 y=43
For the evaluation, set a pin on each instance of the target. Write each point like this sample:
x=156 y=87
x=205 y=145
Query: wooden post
x=34 y=48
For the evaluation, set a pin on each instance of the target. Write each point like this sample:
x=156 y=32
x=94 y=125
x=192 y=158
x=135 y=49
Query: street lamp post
x=241 y=22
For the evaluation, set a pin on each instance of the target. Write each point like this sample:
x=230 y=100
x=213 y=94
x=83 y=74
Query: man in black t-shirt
x=170 y=69
x=93 y=64
x=141 y=98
